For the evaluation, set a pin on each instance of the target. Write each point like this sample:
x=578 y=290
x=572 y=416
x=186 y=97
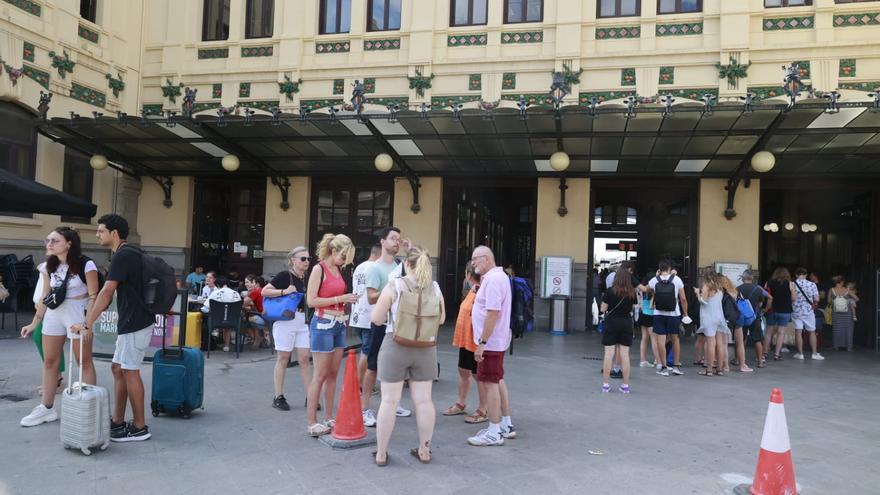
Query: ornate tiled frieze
x=153 y=108
x=847 y=67
x=689 y=93
x=803 y=68
x=257 y=51
x=628 y=77
x=534 y=99
x=447 y=101
x=508 y=80
x=474 y=39
x=667 y=75
x=27 y=6
x=40 y=76
x=339 y=86
x=861 y=86
x=401 y=101
x=211 y=53
x=88 y=95
x=317 y=104
x=63 y=64
x=244 y=90
x=522 y=37
x=618 y=32
x=88 y=34
x=475 y=82
x=266 y=105
x=681 y=29
x=860 y=19
x=217 y=90
x=789 y=23
x=381 y=45
x=584 y=98
x=28 y=51
x=369 y=85
x=333 y=47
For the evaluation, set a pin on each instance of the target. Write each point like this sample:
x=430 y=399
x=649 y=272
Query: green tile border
x=522 y=37
x=472 y=39
x=689 y=93
x=857 y=19
x=628 y=77
x=584 y=98
x=217 y=90
x=382 y=45
x=804 y=68
x=860 y=86
x=319 y=104
x=244 y=90
x=401 y=101
x=764 y=92
x=788 y=23
x=202 y=106
x=28 y=52
x=88 y=95
x=88 y=34
x=618 y=33
x=475 y=82
x=154 y=108
x=265 y=105
x=333 y=47
x=446 y=101
x=213 y=53
x=40 y=76
x=32 y=8
x=508 y=81
x=369 y=85
x=847 y=67
x=257 y=51
x=339 y=86
x=679 y=29
x=534 y=99
x=667 y=76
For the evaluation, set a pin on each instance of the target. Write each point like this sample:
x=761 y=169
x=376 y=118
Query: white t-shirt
x=207 y=290
x=679 y=285
x=223 y=294
x=389 y=327
x=75 y=286
x=360 y=311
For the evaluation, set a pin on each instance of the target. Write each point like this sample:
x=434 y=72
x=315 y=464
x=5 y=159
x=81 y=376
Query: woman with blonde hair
x=724 y=333
x=712 y=320
x=398 y=362
x=327 y=294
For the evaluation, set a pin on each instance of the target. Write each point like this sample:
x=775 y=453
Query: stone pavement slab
x=684 y=434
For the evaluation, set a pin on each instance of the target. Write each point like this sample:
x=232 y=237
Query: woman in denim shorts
x=327 y=294
x=782 y=289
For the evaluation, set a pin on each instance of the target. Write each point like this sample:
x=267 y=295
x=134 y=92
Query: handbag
x=56 y=296
x=282 y=308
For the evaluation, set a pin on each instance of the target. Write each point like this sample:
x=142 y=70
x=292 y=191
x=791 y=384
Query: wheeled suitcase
x=178 y=377
x=85 y=412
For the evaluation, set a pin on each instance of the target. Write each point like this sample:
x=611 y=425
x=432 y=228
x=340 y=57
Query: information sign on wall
x=732 y=270
x=556 y=276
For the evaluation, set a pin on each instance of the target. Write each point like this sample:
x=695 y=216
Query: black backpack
x=665 y=295
x=82 y=276
x=731 y=310
x=159 y=285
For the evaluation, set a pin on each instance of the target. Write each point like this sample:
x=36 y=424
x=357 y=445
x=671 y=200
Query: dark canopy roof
x=805 y=139
x=22 y=195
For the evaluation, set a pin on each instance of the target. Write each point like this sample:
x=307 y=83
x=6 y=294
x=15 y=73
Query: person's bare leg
x=305 y=367
x=330 y=383
x=481 y=391
x=616 y=357
x=135 y=387
x=799 y=341
x=710 y=352
x=659 y=350
x=676 y=350
x=120 y=396
x=323 y=362
x=52 y=348
x=426 y=416
x=464 y=385
x=759 y=350
x=643 y=345
x=505 y=398
x=721 y=352
x=813 y=342
x=768 y=337
x=606 y=363
x=387 y=416
x=652 y=339
x=700 y=348
x=493 y=402
x=624 y=362
x=367 y=388
x=281 y=360
x=780 y=338
x=740 y=347
x=362 y=367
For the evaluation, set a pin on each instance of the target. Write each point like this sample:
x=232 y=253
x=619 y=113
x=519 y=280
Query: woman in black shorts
x=617 y=304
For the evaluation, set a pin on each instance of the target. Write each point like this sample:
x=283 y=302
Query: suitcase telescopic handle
x=78 y=367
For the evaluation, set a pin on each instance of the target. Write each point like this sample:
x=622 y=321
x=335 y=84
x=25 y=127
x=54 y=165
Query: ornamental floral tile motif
x=789 y=23
x=88 y=34
x=847 y=67
x=618 y=32
x=382 y=45
x=475 y=82
x=508 y=80
x=522 y=37
x=690 y=93
x=333 y=47
x=88 y=95
x=28 y=52
x=217 y=90
x=803 y=68
x=667 y=75
x=266 y=105
x=402 y=102
x=602 y=96
x=682 y=29
x=476 y=39
x=205 y=105
x=63 y=64
x=318 y=104
x=41 y=77
x=211 y=53
x=244 y=90
x=153 y=108
x=533 y=99
x=27 y=6
x=863 y=19
x=257 y=51
x=628 y=77
x=339 y=86
x=369 y=85
x=764 y=92
x=448 y=101
x=861 y=86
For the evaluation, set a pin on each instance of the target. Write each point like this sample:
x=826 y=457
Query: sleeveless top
x=464 y=327
x=331 y=287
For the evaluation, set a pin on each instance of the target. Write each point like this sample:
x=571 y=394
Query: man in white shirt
x=221 y=293
x=360 y=311
x=670 y=303
x=804 y=315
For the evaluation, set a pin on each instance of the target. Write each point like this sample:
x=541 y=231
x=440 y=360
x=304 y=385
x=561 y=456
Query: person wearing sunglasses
x=291 y=334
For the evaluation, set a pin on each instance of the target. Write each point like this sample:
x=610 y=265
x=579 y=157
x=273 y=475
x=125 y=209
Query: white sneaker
x=403 y=413
x=508 y=432
x=663 y=372
x=644 y=364
x=818 y=357
x=798 y=356
x=369 y=418
x=39 y=415
x=677 y=371
x=226 y=349
x=485 y=438
x=658 y=366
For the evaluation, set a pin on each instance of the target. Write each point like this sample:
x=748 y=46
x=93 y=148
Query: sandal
x=415 y=453
x=477 y=417
x=719 y=373
x=381 y=463
x=318 y=429
x=762 y=364
x=706 y=372
x=777 y=357
x=455 y=410
x=701 y=362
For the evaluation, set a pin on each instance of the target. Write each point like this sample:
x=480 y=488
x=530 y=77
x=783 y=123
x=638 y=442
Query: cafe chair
x=223 y=315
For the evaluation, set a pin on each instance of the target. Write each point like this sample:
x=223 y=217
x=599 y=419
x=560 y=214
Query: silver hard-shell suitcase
x=85 y=413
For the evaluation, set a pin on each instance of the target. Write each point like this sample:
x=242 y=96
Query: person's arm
x=94 y=288
x=40 y=308
x=270 y=291
x=105 y=297
x=372 y=295
x=793 y=290
x=683 y=301
x=379 y=316
x=603 y=307
x=442 y=309
x=703 y=295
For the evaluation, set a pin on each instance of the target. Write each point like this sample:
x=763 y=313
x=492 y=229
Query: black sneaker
x=617 y=374
x=133 y=434
x=281 y=403
x=118 y=430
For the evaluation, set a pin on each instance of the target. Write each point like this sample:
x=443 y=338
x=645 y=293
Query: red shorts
x=491 y=368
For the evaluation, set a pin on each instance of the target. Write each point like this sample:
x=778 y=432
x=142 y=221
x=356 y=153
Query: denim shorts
x=778 y=319
x=326 y=335
x=366 y=340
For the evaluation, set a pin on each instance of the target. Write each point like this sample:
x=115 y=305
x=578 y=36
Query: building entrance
x=501 y=217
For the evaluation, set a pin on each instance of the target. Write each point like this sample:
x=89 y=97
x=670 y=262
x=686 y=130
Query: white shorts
x=291 y=334
x=805 y=322
x=57 y=322
x=131 y=347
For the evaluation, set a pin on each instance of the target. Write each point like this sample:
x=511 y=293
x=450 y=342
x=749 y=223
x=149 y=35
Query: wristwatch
x=483 y=342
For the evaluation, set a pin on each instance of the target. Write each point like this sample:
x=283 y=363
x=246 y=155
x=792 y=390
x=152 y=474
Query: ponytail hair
x=339 y=243
x=419 y=262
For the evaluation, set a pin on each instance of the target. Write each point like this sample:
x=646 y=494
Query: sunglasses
x=305 y=258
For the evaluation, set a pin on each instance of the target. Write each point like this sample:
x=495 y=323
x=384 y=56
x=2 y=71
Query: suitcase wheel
x=154 y=406
x=86 y=451
x=155 y=413
x=104 y=447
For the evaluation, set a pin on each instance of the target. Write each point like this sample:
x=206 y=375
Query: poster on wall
x=106 y=327
x=732 y=270
x=556 y=276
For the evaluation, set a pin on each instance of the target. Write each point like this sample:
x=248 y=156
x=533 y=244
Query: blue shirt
x=194 y=279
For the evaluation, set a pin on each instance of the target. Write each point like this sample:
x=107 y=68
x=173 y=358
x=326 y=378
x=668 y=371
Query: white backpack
x=840 y=303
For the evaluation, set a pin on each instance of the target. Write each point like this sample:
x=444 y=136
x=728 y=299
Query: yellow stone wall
x=287 y=229
x=166 y=227
x=729 y=240
x=422 y=227
x=568 y=235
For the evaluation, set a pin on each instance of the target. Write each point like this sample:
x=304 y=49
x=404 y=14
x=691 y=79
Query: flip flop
x=705 y=372
x=415 y=453
x=383 y=463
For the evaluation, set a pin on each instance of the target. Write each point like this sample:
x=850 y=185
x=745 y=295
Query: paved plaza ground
x=686 y=434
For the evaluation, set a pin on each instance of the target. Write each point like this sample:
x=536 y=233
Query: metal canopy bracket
x=562 y=211
x=415 y=184
x=165 y=183
x=283 y=184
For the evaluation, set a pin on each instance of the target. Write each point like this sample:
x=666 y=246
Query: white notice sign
x=732 y=270
x=556 y=276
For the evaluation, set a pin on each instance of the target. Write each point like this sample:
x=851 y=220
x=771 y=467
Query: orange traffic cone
x=774 y=474
x=349 y=421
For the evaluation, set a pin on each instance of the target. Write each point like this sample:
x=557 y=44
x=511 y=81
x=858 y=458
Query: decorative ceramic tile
x=244 y=90
x=369 y=85
x=317 y=104
x=764 y=92
x=333 y=47
x=217 y=90
x=257 y=51
x=210 y=53
x=508 y=80
x=401 y=101
x=27 y=6
x=339 y=86
x=789 y=23
x=861 y=86
x=28 y=51
x=847 y=67
x=628 y=77
x=534 y=99
x=689 y=93
x=584 y=98
x=88 y=95
x=447 y=101
x=205 y=105
x=803 y=69
x=381 y=45
x=667 y=75
x=41 y=77
x=522 y=37
x=618 y=32
x=475 y=82
x=266 y=105
x=63 y=64
x=116 y=84
x=88 y=34
x=682 y=29
x=154 y=108
x=863 y=19
x=475 y=39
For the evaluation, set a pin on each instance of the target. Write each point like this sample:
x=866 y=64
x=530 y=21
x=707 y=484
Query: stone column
x=128 y=191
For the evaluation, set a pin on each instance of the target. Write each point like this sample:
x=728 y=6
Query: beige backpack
x=417 y=320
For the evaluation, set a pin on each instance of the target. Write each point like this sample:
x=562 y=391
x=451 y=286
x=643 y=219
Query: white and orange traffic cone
x=774 y=474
